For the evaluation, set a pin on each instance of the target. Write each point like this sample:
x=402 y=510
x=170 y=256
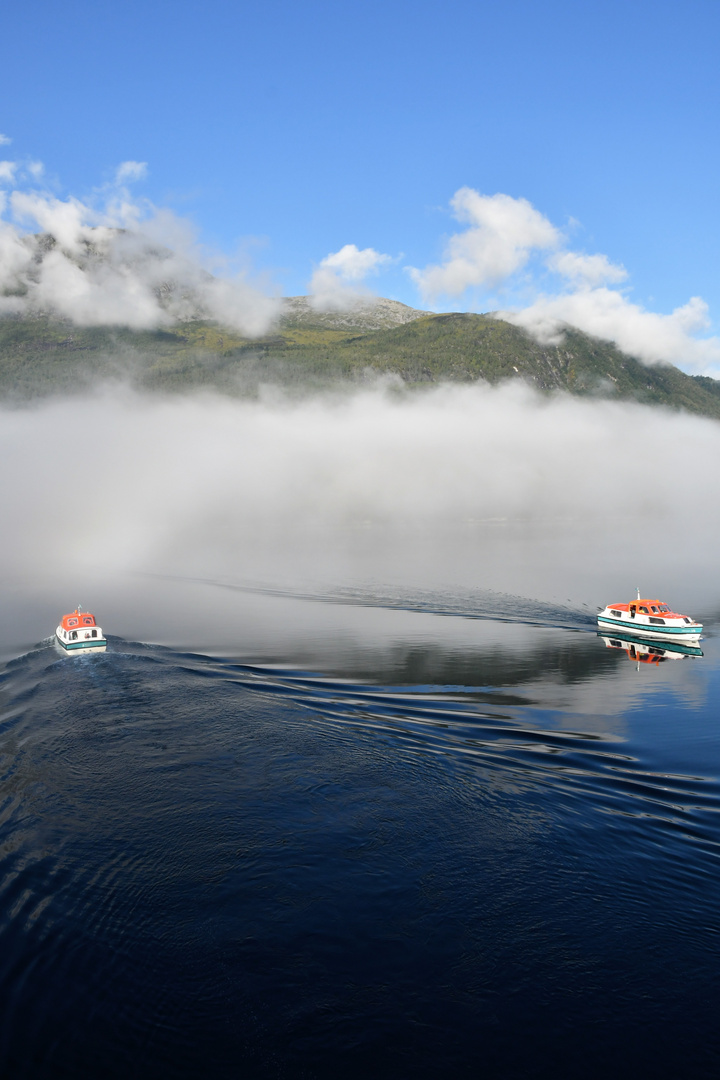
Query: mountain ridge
x=365 y=314
x=309 y=350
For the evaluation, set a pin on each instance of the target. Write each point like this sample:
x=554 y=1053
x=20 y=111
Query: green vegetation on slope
x=40 y=356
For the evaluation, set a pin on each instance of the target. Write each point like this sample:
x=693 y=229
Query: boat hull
x=689 y=634
x=91 y=645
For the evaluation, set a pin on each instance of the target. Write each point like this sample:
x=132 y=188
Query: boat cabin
x=647 y=607
x=78 y=625
x=655 y=611
x=76 y=619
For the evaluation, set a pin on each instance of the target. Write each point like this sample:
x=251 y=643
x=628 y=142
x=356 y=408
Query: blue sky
x=285 y=131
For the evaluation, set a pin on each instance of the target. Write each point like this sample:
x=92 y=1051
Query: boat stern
x=80 y=641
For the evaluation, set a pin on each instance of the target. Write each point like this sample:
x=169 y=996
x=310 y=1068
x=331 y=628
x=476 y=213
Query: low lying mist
x=453 y=489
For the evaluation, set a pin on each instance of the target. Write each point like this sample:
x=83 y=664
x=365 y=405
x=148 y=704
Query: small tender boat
x=649 y=618
x=78 y=632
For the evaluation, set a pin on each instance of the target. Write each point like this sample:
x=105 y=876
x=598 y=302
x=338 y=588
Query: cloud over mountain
x=508 y=244
x=502 y=232
x=338 y=282
x=113 y=261
x=606 y=313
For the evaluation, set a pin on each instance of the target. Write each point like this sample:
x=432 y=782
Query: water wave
x=186 y=840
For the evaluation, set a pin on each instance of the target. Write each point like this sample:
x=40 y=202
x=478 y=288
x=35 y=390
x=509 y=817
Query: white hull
x=688 y=634
x=82 y=645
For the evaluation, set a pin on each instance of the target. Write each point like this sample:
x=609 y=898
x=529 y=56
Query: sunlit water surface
x=363 y=833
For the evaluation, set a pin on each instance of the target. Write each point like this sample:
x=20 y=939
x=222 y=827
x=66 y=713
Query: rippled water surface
x=367 y=837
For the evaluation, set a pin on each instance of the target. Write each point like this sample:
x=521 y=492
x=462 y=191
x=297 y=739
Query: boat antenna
x=638 y=590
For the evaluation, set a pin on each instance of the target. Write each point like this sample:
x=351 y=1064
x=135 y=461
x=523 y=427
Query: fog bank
x=475 y=486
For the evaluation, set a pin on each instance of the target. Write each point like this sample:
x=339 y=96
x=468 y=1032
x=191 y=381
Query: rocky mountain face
x=366 y=315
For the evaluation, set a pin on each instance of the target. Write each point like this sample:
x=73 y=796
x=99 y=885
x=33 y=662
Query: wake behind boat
x=78 y=632
x=650 y=618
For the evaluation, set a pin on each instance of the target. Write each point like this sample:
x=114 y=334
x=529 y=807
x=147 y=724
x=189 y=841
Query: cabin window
x=653 y=608
x=664 y=607
x=617 y=614
x=72 y=622
x=644 y=610
x=686 y=619
x=73 y=636
x=661 y=621
x=94 y=633
x=87 y=621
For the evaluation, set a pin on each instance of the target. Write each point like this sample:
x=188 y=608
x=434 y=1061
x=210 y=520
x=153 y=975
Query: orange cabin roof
x=76 y=619
x=649 y=604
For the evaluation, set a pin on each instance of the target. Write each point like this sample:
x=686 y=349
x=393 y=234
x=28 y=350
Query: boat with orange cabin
x=79 y=632
x=649 y=618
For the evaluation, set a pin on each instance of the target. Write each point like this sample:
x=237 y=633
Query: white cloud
x=7 y=171
x=336 y=285
x=68 y=221
x=5 y=140
x=502 y=234
x=606 y=313
x=15 y=264
x=586 y=269
x=110 y=264
x=11 y=171
x=130 y=170
x=351 y=264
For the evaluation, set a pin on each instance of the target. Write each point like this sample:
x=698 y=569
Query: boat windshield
x=663 y=607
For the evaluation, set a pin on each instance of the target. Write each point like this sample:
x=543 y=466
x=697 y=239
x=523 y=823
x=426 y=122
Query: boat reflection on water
x=643 y=651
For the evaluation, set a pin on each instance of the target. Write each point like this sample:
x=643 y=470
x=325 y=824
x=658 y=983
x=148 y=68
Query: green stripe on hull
x=75 y=646
x=643 y=628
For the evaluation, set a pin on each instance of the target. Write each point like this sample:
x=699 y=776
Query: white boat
x=78 y=632
x=649 y=618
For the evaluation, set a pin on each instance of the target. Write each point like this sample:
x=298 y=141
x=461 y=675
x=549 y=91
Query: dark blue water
x=423 y=856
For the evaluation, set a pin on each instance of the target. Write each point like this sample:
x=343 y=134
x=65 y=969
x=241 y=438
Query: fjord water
x=356 y=789
x=361 y=832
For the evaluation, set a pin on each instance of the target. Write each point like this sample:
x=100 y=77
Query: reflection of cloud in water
x=502 y=708
x=564 y=674
x=398 y=639
x=493 y=749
